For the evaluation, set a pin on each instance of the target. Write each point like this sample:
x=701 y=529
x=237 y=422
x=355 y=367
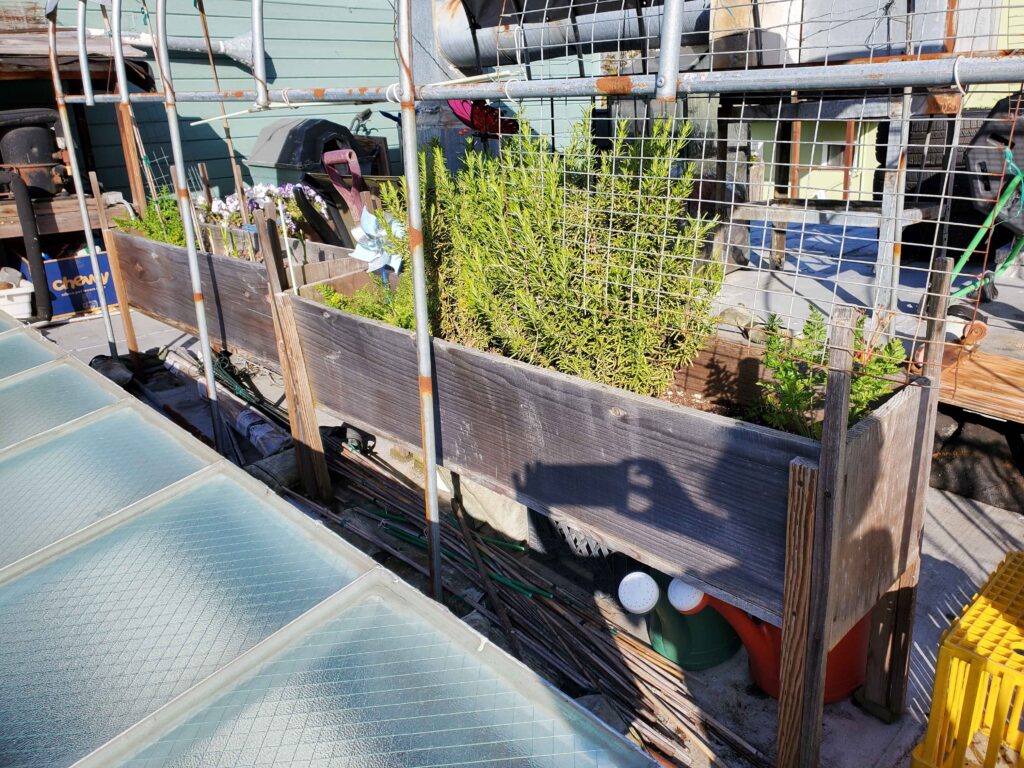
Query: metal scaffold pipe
x=668 y=55
x=928 y=73
x=76 y=177
x=185 y=207
x=119 y=68
x=83 y=55
x=510 y=38
x=424 y=356
x=259 y=56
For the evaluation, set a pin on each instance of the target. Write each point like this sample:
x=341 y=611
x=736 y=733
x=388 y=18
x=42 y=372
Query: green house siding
x=315 y=43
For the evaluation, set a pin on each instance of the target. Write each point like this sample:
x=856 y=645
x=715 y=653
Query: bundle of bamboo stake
x=539 y=621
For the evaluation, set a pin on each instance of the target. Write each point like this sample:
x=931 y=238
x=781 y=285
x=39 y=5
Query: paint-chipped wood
x=691 y=493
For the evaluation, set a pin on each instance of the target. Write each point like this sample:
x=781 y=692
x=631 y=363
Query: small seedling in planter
x=160 y=221
x=793 y=396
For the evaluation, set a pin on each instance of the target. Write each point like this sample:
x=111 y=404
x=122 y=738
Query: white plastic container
x=17 y=301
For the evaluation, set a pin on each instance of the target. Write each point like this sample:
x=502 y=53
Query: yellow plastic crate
x=975 y=718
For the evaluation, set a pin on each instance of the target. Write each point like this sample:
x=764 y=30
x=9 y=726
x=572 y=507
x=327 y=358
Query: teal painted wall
x=311 y=43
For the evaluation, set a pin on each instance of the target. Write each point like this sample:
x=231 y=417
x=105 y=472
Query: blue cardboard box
x=73 y=285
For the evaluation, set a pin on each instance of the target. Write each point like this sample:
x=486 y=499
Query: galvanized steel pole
x=917 y=73
x=185 y=206
x=259 y=56
x=428 y=424
x=83 y=55
x=668 y=55
x=76 y=177
x=119 y=69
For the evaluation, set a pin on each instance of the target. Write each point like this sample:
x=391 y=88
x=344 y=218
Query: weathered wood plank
x=983 y=382
x=237 y=303
x=879 y=526
x=892 y=620
x=694 y=494
x=802 y=745
x=54 y=215
x=803 y=477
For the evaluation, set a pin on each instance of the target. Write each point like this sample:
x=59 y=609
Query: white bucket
x=17 y=301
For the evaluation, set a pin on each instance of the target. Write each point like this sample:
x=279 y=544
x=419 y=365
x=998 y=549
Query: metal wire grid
x=731 y=35
x=819 y=199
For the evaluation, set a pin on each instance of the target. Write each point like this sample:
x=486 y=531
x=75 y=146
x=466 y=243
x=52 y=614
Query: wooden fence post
x=810 y=551
x=123 y=304
x=309 y=448
x=885 y=685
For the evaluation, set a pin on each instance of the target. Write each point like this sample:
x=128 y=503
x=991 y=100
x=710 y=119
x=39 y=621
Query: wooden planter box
x=155 y=277
x=804 y=538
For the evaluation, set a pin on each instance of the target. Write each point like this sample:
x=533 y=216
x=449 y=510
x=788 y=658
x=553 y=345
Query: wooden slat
x=983 y=382
x=693 y=494
x=725 y=371
x=237 y=304
x=54 y=215
x=800 y=725
x=803 y=476
x=884 y=691
x=879 y=525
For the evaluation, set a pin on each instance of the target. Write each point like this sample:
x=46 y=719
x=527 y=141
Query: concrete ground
x=964 y=541
x=828 y=264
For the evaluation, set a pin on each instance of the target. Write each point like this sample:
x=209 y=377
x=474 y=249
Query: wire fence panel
x=747 y=213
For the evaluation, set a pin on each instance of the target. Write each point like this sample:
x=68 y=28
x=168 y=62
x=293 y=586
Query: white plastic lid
x=683 y=597
x=638 y=592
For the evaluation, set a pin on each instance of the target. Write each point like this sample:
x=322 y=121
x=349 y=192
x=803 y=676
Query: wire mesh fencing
x=629 y=233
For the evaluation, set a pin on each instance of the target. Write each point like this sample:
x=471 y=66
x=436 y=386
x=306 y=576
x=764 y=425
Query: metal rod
x=932 y=73
x=259 y=56
x=238 y=49
x=668 y=56
x=83 y=56
x=424 y=357
x=120 y=72
x=185 y=206
x=76 y=176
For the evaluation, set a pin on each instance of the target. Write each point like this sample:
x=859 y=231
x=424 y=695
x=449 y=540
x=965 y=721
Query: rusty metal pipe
x=930 y=73
x=76 y=176
x=259 y=56
x=83 y=56
x=424 y=357
x=185 y=206
x=667 y=82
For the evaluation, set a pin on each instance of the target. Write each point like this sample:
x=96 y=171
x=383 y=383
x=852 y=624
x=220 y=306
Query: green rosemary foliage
x=376 y=301
x=160 y=221
x=792 y=399
x=582 y=261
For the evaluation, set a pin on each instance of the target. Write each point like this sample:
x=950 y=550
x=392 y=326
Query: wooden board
x=693 y=494
x=237 y=302
x=725 y=371
x=878 y=529
x=982 y=382
x=53 y=215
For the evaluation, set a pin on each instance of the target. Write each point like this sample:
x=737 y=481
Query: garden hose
x=985 y=227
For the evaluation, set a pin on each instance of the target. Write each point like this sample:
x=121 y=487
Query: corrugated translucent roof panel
x=46 y=397
x=97 y=639
x=20 y=351
x=161 y=607
x=380 y=685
